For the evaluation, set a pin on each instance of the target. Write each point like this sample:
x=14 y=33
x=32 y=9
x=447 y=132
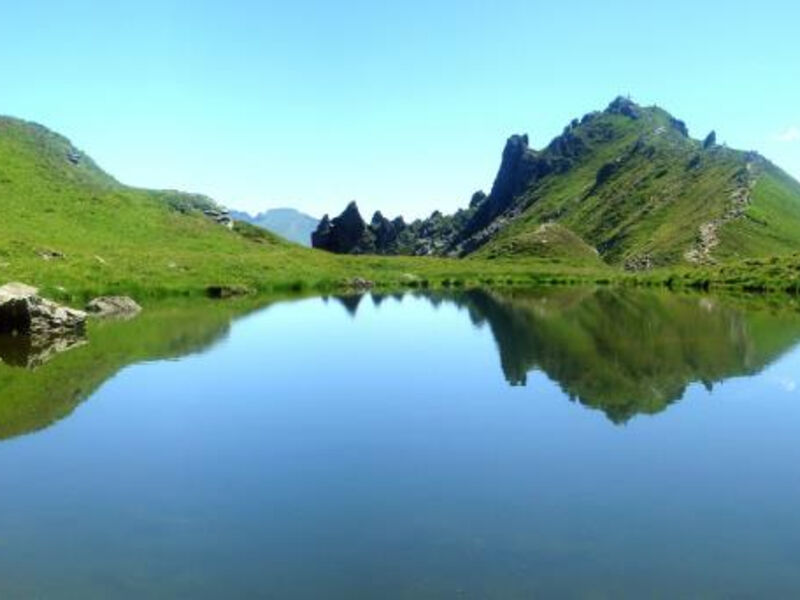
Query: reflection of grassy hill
x=630 y=352
x=31 y=400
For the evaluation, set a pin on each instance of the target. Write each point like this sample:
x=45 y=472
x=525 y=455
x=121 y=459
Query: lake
x=563 y=442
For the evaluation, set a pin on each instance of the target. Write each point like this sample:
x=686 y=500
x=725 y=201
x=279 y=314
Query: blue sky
x=401 y=106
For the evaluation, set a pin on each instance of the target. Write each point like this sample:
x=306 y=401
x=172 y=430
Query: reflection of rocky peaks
x=350 y=302
x=628 y=352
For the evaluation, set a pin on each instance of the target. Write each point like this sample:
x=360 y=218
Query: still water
x=570 y=442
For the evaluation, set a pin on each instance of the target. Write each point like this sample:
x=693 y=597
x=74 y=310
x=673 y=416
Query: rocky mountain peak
x=342 y=233
x=625 y=107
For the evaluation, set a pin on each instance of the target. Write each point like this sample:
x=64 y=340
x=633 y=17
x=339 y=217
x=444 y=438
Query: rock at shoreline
x=359 y=283
x=32 y=329
x=23 y=312
x=113 y=306
x=227 y=291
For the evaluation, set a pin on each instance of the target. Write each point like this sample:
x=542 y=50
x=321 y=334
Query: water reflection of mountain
x=32 y=400
x=629 y=352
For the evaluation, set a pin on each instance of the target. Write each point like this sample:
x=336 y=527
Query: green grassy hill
x=67 y=224
x=632 y=183
x=74 y=231
x=548 y=240
x=628 y=184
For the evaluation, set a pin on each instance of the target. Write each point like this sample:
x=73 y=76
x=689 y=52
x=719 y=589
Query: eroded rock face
x=679 y=126
x=342 y=234
x=113 y=306
x=518 y=166
x=625 y=107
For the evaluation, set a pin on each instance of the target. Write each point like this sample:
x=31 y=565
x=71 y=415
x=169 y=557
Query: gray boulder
x=24 y=312
x=113 y=306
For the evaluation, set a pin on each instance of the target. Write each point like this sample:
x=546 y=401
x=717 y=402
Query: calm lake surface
x=568 y=442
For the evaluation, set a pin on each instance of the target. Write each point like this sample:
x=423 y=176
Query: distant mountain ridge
x=285 y=222
x=628 y=182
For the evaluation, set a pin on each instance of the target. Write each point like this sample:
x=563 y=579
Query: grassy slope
x=771 y=223
x=549 y=240
x=655 y=203
x=119 y=239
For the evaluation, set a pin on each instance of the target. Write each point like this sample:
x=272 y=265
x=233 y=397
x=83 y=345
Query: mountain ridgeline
x=627 y=186
x=288 y=223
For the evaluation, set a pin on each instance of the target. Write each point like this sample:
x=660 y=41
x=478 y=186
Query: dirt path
x=708 y=239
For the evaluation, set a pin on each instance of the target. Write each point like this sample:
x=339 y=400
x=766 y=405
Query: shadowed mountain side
x=629 y=352
x=32 y=400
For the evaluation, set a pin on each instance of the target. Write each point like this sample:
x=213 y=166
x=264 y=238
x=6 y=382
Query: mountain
x=285 y=222
x=73 y=230
x=628 y=182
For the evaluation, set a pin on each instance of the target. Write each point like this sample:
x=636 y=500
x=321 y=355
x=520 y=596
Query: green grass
x=771 y=223
x=549 y=241
x=75 y=232
x=664 y=188
x=109 y=238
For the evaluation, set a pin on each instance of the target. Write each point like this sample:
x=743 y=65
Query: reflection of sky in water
x=317 y=453
x=784 y=372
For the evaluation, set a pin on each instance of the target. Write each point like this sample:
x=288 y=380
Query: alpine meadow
x=419 y=300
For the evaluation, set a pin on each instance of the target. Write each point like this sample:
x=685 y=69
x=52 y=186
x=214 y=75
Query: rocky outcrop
x=606 y=172
x=113 y=306
x=625 y=107
x=220 y=216
x=221 y=292
x=74 y=156
x=477 y=199
x=518 y=166
x=679 y=126
x=385 y=232
x=359 y=283
x=23 y=312
x=710 y=141
x=33 y=329
x=343 y=234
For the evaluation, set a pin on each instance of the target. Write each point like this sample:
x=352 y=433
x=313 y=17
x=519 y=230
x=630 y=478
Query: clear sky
x=403 y=106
